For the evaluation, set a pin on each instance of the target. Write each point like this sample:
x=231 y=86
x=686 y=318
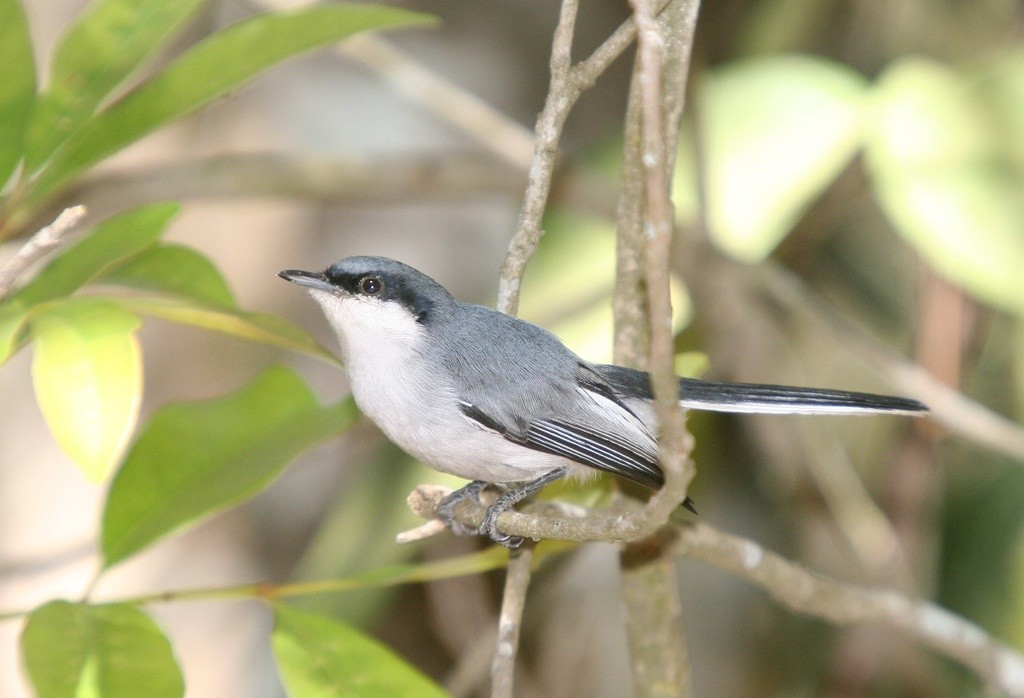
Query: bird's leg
x=509 y=499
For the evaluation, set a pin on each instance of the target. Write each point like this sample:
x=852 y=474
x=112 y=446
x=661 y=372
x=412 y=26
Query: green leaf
x=107 y=43
x=87 y=374
x=18 y=86
x=999 y=86
x=320 y=657
x=946 y=180
x=776 y=133
x=194 y=459
x=116 y=651
x=255 y=327
x=115 y=240
x=173 y=269
x=334 y=554
x=12 y=324
x=220 y=63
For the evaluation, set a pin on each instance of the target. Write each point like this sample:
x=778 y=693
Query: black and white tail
x=755 y=398
x=696 y=394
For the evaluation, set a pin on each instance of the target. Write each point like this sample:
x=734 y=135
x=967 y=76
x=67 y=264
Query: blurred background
x=845 y=227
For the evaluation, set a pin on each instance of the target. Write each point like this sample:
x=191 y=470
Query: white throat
x=373 y=334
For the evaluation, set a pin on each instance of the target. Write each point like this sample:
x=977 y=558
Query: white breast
x=381 y=344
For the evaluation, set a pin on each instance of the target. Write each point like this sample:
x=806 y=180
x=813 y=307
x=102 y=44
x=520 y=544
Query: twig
x=485 y=124
x=545 y=520
x=539 y=176
x=961 y=415
x=864 y=525
x=513 y=601
x=568 y=82
x=349 y=180
x=805 y=592
x=37 y=247
x=562 y=95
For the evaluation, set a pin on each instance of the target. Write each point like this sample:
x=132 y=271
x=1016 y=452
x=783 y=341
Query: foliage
x=941 y=145
x=81 y=313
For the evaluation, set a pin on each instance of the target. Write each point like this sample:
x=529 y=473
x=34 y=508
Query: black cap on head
x=376 y=277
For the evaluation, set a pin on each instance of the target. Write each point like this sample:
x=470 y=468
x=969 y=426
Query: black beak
x=307 y=278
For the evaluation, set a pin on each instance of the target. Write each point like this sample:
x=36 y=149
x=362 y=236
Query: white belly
x=424 y=421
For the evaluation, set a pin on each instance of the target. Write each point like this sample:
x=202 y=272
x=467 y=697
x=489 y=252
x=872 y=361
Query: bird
x=499 y=401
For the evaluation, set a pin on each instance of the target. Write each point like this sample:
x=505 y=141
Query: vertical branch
x=562 y=94
x=643 y=317
x=567 y=83
x=654 y=620
x=629 y=302
x=513 y=600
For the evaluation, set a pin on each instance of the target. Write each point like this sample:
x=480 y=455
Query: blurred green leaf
x=108 y=42
x=999 y=86
x=194 y=459
x=12 y=323
x=320 y=657
x=222 y=62
x=173 y=269
x=255 y=327
x=1015 y=606
x=115 y=651
x=981 y=534
x=87 y=374
x=384 y=476
x=943 y=178
x=568 y=286
x=486 y=560
x=692 y=364
x=116 y=239
x=776 y=133
x=18 y=86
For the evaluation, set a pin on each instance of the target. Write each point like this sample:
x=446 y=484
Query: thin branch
x=562 y=95
x=513 y=601
x=482 y=122
x=799 y=590
x=864 y=525
x=568 y=82
x=632 y=344
x=707 y=269
x=539 y=177
x=38 y=246
x=349 y=180
x=545 y=521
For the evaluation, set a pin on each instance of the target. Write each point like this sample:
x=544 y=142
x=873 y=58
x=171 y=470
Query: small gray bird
x=494 y=399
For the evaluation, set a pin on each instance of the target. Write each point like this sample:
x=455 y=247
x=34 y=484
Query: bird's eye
x=371 y=285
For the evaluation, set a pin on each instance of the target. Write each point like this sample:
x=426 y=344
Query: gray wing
x=579 y=444
x=581 y=420
x=523 y=383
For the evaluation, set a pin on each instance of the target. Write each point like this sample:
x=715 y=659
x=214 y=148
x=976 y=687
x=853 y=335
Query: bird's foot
x=508 y=499
x=489 y=526
x=446 y=511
